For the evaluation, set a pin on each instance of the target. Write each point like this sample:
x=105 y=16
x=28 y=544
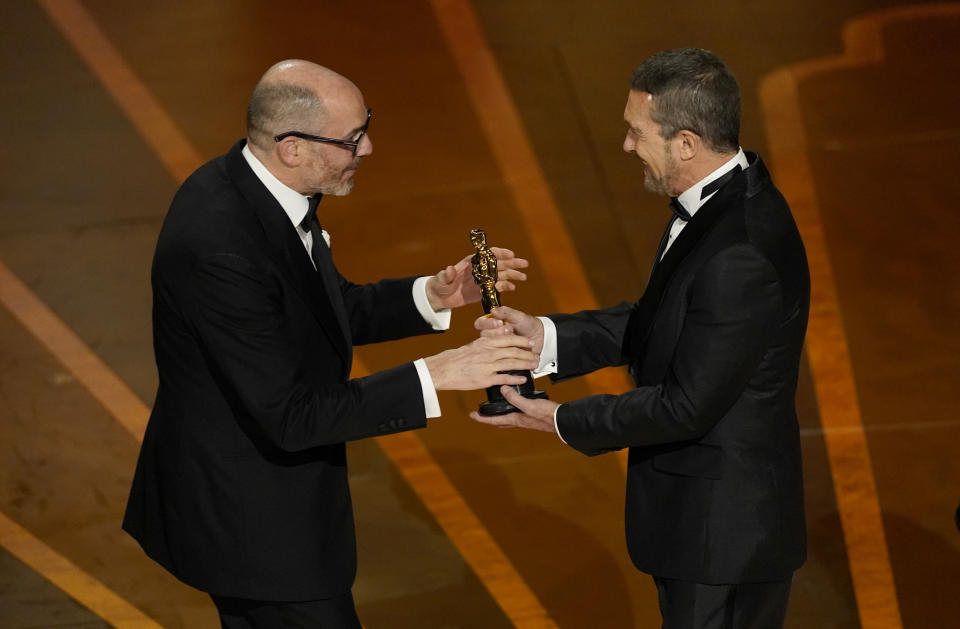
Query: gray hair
x=276 y=107
x=692 y=89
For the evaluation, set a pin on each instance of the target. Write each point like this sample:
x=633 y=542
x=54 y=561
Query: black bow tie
x=678 y=210
x=311 y=216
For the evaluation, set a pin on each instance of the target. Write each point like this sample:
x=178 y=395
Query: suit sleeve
x=382 y=311
x=263 y=368
x=731 y=317
x=590 y=340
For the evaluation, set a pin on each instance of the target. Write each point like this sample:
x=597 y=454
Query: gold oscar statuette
x=485 y=275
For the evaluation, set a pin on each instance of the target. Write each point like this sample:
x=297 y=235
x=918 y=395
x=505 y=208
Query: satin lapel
x=287 y=249
x=641 y=320
x=331 y=280
x=663 y=245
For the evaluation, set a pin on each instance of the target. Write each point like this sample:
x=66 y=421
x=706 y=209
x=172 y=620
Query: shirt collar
x=690 y=199
x=294 y=204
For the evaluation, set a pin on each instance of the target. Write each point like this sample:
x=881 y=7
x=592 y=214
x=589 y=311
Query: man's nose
x=366 y=146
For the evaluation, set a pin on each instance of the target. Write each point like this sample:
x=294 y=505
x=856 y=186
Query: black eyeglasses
x=352 y=144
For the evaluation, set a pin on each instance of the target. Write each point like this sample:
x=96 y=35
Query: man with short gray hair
x=714 y=483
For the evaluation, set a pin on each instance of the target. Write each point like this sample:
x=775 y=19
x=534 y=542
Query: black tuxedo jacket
x=714 y=487
x=241 y=485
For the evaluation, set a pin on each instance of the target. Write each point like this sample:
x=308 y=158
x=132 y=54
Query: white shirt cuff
x=431 y=405
x=437 y=320
x=548 y=355
x=557 y=428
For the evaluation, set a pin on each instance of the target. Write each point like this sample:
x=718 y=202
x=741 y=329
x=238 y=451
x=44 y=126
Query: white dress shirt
x=691 y=201
x=295 y=205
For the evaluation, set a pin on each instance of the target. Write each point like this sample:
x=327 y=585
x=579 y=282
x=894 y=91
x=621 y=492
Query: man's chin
x=341 y=190
x=655 y=185
x=652 y=185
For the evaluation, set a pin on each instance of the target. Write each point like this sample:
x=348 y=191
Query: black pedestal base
x=497 y=405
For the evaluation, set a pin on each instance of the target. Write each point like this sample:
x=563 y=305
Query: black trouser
x=688 y=605
x=331 y=613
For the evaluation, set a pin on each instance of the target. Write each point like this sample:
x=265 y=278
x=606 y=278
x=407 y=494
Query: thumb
x=507 y=314
x=510 y=394
x=446 y=276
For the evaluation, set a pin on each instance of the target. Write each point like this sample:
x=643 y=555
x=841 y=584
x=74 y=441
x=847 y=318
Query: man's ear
x=289 y=152
x=688 y=144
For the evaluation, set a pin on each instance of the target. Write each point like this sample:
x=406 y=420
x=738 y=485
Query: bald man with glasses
x=241 y=485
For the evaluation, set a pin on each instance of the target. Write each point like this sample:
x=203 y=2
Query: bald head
x=295 y=95
x=323 y=120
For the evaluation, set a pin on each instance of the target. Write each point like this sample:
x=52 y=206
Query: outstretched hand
x=534 y=414
x=485 y=362
x=454 y=286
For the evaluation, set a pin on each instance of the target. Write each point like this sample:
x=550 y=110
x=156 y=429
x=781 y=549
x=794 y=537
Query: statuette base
x=498 y=405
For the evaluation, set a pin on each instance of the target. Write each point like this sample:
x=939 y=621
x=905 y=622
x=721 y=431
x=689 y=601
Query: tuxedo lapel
x=327 y=270
x=660 y=249
x=288 y=252
x=699 y=225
